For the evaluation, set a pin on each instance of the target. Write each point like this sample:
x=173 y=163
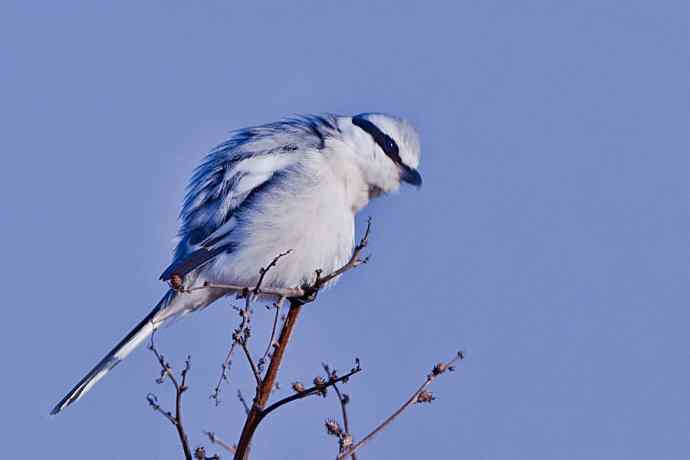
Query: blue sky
x=550 y=239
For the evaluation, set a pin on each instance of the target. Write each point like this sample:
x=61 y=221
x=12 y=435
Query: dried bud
x=298 y=387
x=320 y=385
x=333 y=428
x=200 y=453
x=439 y=368
x=425 y=397
x=152 y=399
x=345 y=399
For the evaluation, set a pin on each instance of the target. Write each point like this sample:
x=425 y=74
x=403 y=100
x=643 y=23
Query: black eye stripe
x=383 y=140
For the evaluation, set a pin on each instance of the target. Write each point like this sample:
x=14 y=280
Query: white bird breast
x=308 y=213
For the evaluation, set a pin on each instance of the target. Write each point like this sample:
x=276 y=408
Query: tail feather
x=142 y=330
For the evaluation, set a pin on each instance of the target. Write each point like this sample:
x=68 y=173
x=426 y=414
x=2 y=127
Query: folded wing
x=246 y=165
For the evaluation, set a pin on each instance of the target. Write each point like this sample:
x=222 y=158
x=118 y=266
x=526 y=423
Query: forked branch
x=180 y=388
x=421 y=395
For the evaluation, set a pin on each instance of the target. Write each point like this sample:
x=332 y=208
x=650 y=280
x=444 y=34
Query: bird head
x=388 y=150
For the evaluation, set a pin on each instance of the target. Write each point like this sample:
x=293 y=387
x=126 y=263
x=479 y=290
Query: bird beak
x=411 y=176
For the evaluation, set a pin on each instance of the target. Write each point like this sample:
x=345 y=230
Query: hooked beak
x=411 y=176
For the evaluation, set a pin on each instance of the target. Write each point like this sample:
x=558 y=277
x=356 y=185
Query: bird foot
x=308 y=297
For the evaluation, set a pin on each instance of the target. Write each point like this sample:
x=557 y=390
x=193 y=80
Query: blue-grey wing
x=247 y=164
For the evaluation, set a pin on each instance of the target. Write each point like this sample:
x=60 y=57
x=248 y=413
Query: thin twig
x=257 y=289
x=289 y=293
x=216 y=440
x=180 y=388
x=236 y=339
x=271 y=341
x=263 y=271
x=344 y=400
x=153 y=402
x=255 y=371
x=420 y=395
x=225 y=368
x=240 y=396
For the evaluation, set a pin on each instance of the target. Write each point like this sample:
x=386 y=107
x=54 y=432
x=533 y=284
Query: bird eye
x=390 y=146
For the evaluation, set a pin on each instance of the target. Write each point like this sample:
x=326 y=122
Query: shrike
x=291 y=185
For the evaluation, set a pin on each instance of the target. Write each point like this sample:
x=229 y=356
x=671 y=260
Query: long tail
x=117 y=354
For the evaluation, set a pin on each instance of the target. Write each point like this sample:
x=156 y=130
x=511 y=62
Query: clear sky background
x=550 y=239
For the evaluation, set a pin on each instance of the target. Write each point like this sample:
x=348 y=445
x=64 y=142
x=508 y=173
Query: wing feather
x=243 y=165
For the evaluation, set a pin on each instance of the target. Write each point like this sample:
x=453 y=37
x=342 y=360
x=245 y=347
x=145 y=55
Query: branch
x=344 y=400
x=306 y=294
x=419 y=396
x=264 y=389
x=319 y=387
x=180 y=387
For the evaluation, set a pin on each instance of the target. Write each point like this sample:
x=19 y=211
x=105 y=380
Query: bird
x=295 y=184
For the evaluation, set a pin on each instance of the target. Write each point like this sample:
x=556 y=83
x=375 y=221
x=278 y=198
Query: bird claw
x=308 y=297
